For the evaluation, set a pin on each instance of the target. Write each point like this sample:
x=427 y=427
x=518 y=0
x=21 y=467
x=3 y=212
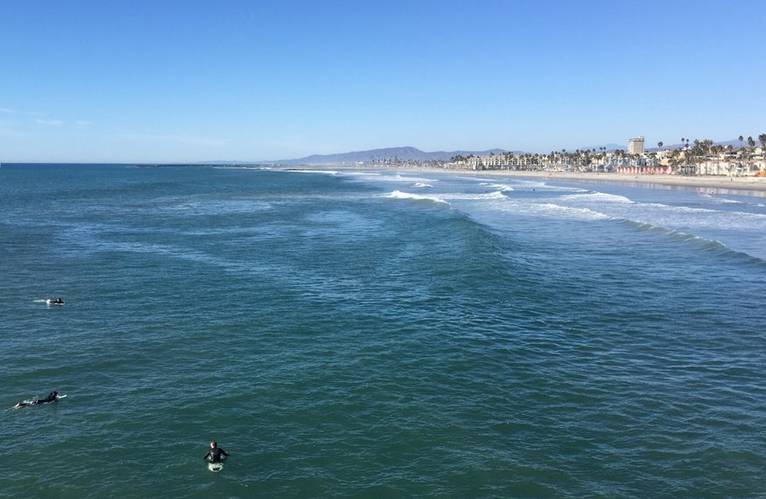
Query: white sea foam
x=681 y=209
x=494 y=195
x=501 y=187
x=417 y=197
x=721 y=200
x=733 y=216
x=473 y=197
x=486 y=195
x=569 y=212
x=404 y=178
x=325 y=172
x=422 y=185
x=545 y=210
x=254 y=168
x=543 y=186
x=600 y=197
x=704 y=222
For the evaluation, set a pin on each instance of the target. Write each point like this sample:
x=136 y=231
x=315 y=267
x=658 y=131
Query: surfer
x=52 y=397
x=215 y=454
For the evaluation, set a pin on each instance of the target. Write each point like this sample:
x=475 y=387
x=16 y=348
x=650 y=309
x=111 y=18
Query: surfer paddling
x=215 y=454
x=52 y=397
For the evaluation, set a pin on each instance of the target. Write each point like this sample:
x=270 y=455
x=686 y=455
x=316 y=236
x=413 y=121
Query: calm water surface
x=379 y=335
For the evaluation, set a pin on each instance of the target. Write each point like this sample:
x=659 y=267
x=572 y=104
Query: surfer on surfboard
x=52 y=397
x=215 y=454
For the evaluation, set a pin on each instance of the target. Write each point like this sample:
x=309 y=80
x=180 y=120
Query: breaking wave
x=600 y=197
x=570 y=212
x=707 y=244
x=476 y=197
x=325 y=172
x=259 y=168
x=501 y=187
x=416 y=197
x=404 y=178
x=551 y=210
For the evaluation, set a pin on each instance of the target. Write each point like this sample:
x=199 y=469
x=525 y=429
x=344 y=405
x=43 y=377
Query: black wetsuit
x=215 y=455
x=50 y=398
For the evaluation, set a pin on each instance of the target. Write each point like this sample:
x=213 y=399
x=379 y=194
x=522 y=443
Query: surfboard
x=215 y=467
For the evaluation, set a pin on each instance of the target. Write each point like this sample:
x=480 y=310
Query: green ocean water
x=379 y=335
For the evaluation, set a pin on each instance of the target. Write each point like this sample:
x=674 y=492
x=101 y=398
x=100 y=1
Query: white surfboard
x=215 y=467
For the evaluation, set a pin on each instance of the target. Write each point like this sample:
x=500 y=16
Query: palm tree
x=740 y=139
x=750 y=142
x=659 y=145
x=762 y=139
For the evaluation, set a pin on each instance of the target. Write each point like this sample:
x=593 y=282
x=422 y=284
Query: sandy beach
x=716 y=182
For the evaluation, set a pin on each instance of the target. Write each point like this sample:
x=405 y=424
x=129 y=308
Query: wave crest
x=325 y=172
x=416 y=197
x=501 y=187
x=601 y=197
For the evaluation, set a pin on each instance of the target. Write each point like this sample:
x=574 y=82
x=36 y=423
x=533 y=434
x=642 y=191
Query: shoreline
x=752 y=184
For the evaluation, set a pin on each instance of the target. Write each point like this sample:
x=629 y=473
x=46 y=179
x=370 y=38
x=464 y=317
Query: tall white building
x=636 y=145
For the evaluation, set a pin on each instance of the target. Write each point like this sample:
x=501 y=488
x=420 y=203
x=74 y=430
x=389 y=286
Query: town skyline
x=394 y=152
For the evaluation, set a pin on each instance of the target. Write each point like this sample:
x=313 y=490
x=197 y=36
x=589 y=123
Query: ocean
x=378 y=334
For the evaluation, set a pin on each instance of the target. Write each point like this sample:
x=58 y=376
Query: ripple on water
x=341 y=343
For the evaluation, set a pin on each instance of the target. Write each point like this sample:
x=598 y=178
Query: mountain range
x=409 y=153
x=401 y=153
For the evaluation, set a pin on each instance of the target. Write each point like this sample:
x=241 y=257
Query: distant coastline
x=712 y=181
x=755 y=184
x=738 y=183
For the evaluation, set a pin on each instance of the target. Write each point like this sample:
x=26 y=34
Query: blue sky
x=245 y=80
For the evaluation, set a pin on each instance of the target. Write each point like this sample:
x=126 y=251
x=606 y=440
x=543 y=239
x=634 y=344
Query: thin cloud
x=21 y=112
x=49 y=122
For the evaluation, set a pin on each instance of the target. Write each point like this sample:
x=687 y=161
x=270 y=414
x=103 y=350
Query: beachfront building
x=731 y=163
x=636 y=145
x=644 y=168
x=703 y=158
